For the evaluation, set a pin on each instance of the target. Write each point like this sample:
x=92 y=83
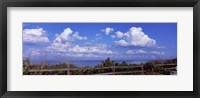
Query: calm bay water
x=92 y=62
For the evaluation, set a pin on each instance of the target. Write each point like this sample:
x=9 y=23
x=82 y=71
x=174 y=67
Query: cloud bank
x=144 y=52
x=35 y=36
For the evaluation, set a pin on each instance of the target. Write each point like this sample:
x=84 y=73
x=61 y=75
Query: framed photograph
x=99 y=48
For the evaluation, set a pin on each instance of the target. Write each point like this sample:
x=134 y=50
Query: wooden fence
x=113 y=72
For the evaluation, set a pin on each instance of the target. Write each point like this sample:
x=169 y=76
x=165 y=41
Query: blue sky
x=97 y=41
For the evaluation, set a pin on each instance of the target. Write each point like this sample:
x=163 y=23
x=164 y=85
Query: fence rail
x=113 y=72
x=160 y=65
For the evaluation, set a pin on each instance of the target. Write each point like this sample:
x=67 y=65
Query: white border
x=181 y=82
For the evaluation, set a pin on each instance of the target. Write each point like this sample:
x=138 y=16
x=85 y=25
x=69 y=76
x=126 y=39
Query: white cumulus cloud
x=65 y=34
x=156 y=52
x=58 y=46
x=135 y=37
x=35 y=53
x=68 y=34
x=81 y=55
x=144 y=52
x=119 y=34
x=113 y=36
x=89 y=49
x=77 y=36
x=136 y=52
x=122 y=42
x=35 y=35
x=108 y=30
x=63 y=40
x=32 y=52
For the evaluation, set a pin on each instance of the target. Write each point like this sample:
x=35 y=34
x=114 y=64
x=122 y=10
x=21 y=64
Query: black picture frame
x=99 y=3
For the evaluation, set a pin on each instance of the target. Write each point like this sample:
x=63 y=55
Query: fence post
x=68 y=69
x=113 y=69
x=142 y=69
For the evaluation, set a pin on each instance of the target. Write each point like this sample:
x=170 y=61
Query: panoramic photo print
x=99 y=48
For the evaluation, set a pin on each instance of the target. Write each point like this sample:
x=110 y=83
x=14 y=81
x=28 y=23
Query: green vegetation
x=105 y=67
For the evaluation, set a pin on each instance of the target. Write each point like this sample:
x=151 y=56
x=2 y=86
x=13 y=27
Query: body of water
x=93 y=62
